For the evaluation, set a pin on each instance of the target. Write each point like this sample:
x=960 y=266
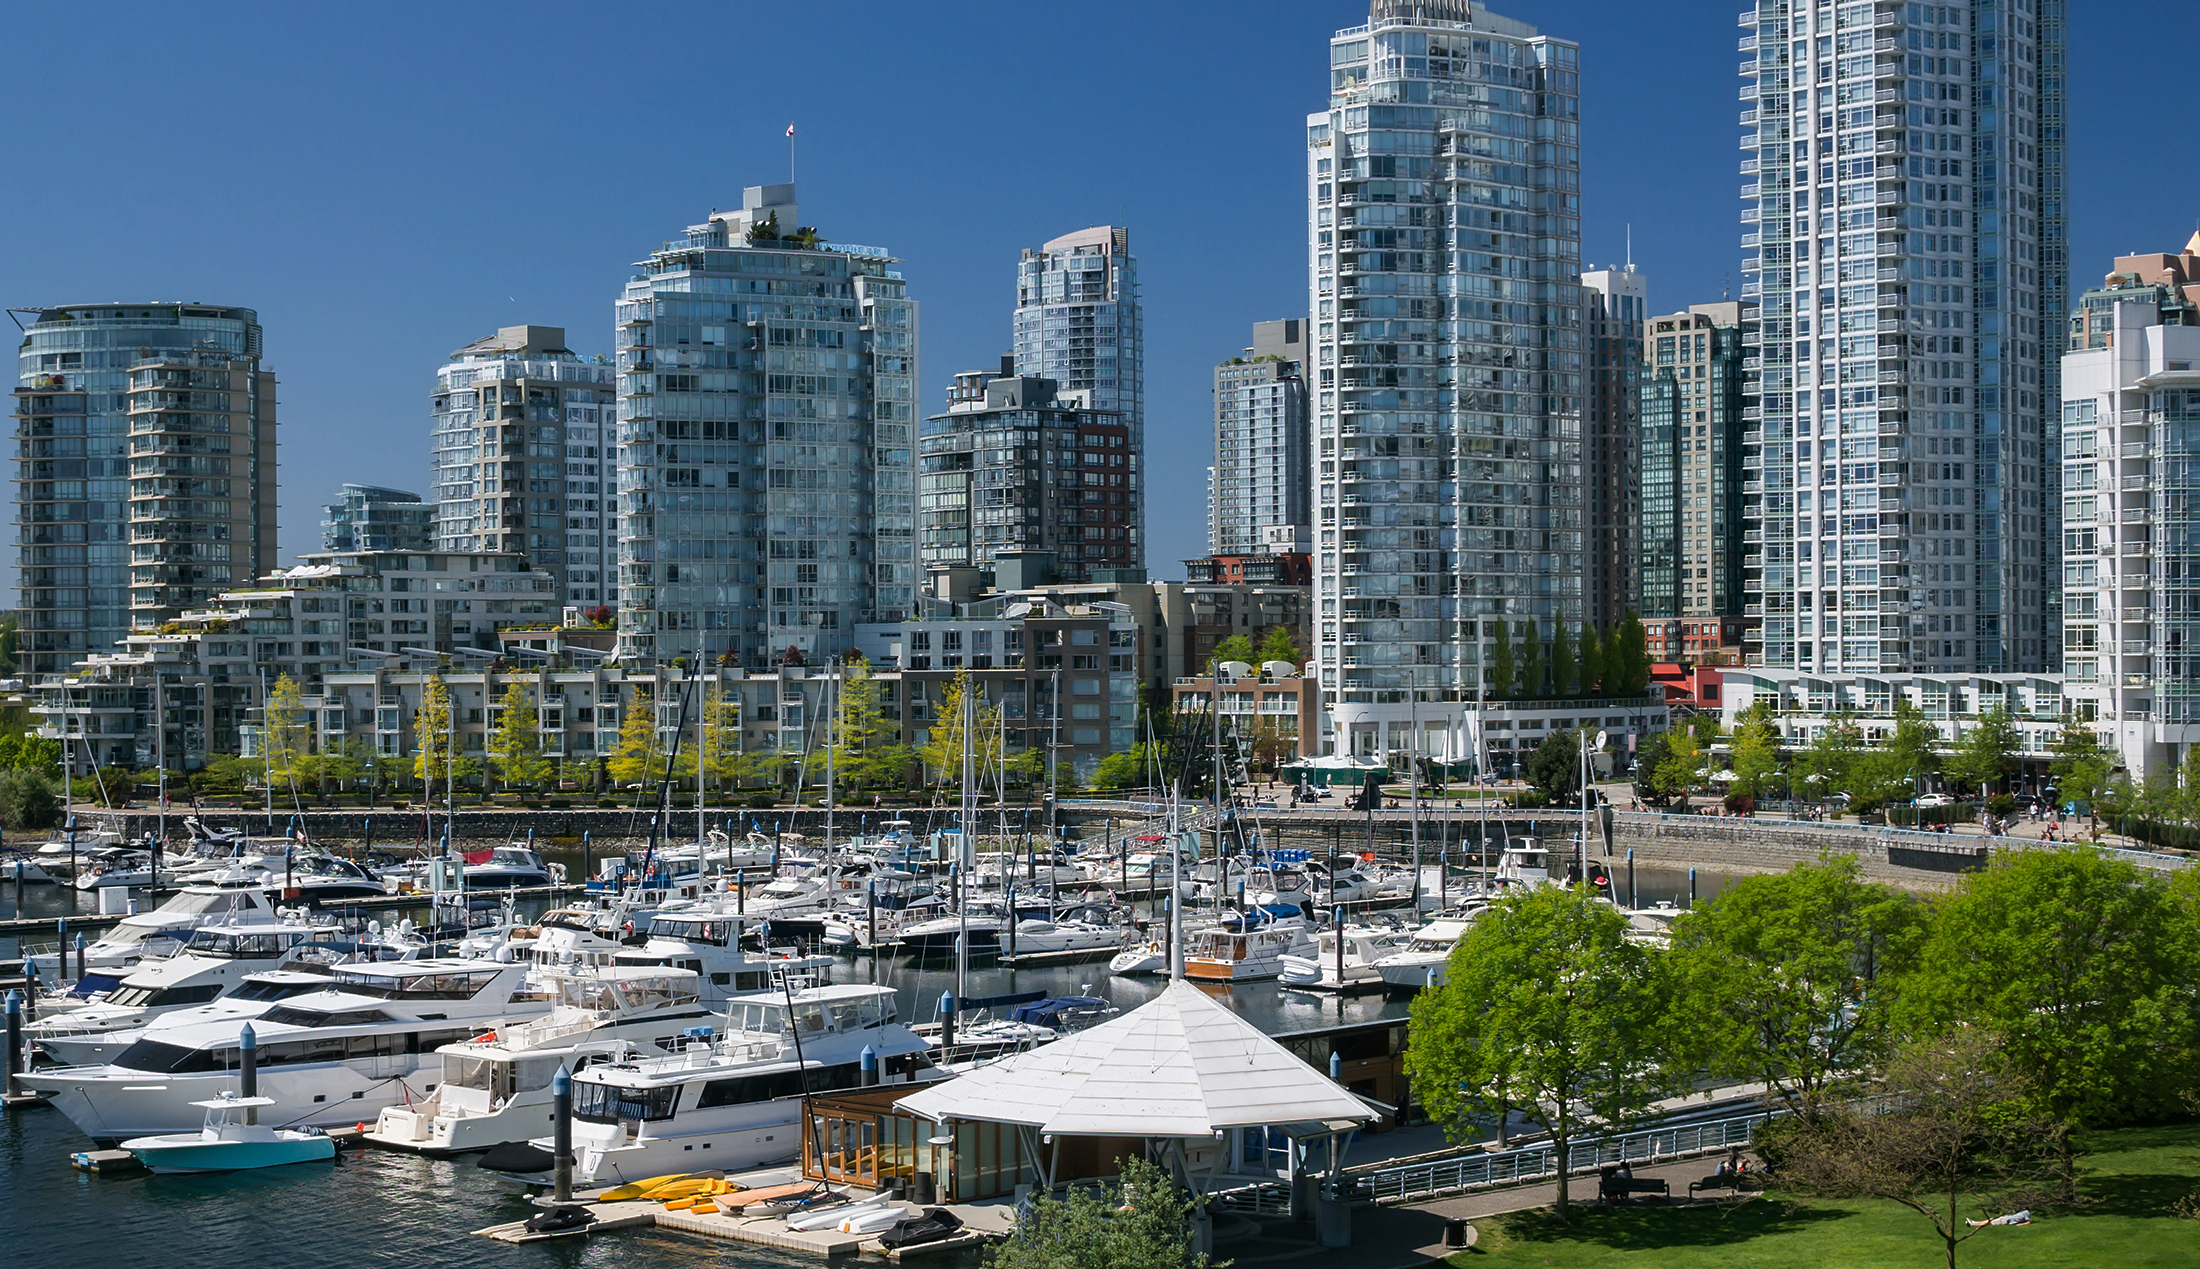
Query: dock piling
x=947 y=1019
x=15 y=1039
x=561 y=1134
x=1691 y=887
x=248 y=1070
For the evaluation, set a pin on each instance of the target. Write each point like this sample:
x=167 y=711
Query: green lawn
x=2133 y=1178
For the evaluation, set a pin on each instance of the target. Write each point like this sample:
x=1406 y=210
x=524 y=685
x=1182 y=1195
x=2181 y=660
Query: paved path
x=1410 y=1236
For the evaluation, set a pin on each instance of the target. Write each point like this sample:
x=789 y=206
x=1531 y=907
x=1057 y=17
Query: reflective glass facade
x=1444 y=250
x=521 y=445
x=1078 y=323
x=1905 y=211
x=145 y=469
x=1258 y=498
x=767 y=434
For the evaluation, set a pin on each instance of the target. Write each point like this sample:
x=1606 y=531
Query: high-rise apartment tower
x=2131 y=509
x=145 y=469
x=1905 y=211
x=521 y=457
x=1614 y=304
x=767 y=433
x=1444 y=248
x=1691 y=466
x=1258 y=497
x=1078 y=323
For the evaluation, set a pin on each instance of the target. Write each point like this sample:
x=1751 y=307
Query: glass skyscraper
x=1614 y=304
x=766 y=432
x=1257 y=495
x=1444 y=248
x=1691 y=522
x=522 y=438
x=1906 y=219
x=1078 y=323
x=145 y=469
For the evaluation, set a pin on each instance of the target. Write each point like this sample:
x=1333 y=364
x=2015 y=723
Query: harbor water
x=380 y=1207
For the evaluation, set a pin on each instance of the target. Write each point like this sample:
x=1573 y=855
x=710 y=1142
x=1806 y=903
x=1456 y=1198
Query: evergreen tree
x=1235 y=648
x=1592 y=663
x=515 y=742
x=1502 y=670
x=1531 y=662
x=1615 y=660
x=633 y=761
x=434 y=735
x=1563 y=668
x=286 y=737
x=1635 y=653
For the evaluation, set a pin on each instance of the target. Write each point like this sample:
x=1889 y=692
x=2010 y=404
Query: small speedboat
x=230 y=1142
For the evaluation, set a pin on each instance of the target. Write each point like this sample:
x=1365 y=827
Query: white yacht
x=496 y=1087
x=978 y=926
x=1421 y=962
x=161 y=931
x=731 y=1101
x=88 y=841
x=517 y=866
x=214 y=960
x=248 y=1000
x=1322 y=970
x=724 y=948
x=1525 y=866
x=334 y=1056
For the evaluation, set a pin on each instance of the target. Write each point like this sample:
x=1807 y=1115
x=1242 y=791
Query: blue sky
x=385 y=183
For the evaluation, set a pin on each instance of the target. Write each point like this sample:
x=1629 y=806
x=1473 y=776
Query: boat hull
x=192 y=1153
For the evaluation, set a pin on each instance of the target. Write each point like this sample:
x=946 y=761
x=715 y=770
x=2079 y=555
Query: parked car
x=1930 y=800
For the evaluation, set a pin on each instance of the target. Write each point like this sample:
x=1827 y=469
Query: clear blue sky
x=387 y=182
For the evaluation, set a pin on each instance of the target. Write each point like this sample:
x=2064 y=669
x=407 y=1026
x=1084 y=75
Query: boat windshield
x=718 y=931
x=140 y=997
x=463 y=985
x=263 y=989
x=608 y=1103
x=240 y=946
x=612 y=995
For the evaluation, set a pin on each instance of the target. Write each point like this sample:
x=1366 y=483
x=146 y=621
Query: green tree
x=1279 y=645
x=1550 y=1010
x=23 y=751
x=1988 y=748
x=1634 y=657
x=1823 y=768
x=862 y=738
x=1503 y=671
x=634 y=761
x=1533 y=681
x=1592 y=663
x=2082 y=766
x=515 y=742
x=1681 y=771
x=1564 y=669
x=942 y=750
x=2079 y=962
x=434 y=735
x=1615 y=661
x=343 y=763
x=28 y=800
x=1142 y=1221
x=1915 y=741
x=1555 y=768
x=1235 y=648
x=1126 y=770
x=287 y=740
x=1789 y=979
x=721 y=743
x=1756 y=748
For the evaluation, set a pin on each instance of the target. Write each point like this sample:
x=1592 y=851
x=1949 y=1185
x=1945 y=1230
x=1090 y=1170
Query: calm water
x=377 y=1207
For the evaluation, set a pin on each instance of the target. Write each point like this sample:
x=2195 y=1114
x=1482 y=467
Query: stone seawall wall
x=1746 y=846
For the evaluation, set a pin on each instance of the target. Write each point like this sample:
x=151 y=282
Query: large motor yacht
x=335 y=1056
x=214 y=960
x=730 y=1101
x=496 y=1087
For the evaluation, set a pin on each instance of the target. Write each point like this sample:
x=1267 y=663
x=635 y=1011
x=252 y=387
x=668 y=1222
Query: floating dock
x=983 y=1223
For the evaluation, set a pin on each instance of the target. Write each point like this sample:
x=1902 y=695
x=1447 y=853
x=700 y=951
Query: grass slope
x=2132 y=1178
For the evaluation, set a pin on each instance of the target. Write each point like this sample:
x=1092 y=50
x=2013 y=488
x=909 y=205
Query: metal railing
x=1430 y=1179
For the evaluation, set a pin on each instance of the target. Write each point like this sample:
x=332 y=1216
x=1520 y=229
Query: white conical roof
x=1180 y=1065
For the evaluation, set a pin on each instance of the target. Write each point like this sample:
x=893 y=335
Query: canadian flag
x=790 y=129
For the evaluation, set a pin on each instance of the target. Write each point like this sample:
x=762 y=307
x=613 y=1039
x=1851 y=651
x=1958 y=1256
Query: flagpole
x=790 y=154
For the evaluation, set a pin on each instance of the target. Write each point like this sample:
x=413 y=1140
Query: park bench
x=1733 y=1181
x=1611 y=1187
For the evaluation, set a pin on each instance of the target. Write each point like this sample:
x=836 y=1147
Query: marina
x=689 y=985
